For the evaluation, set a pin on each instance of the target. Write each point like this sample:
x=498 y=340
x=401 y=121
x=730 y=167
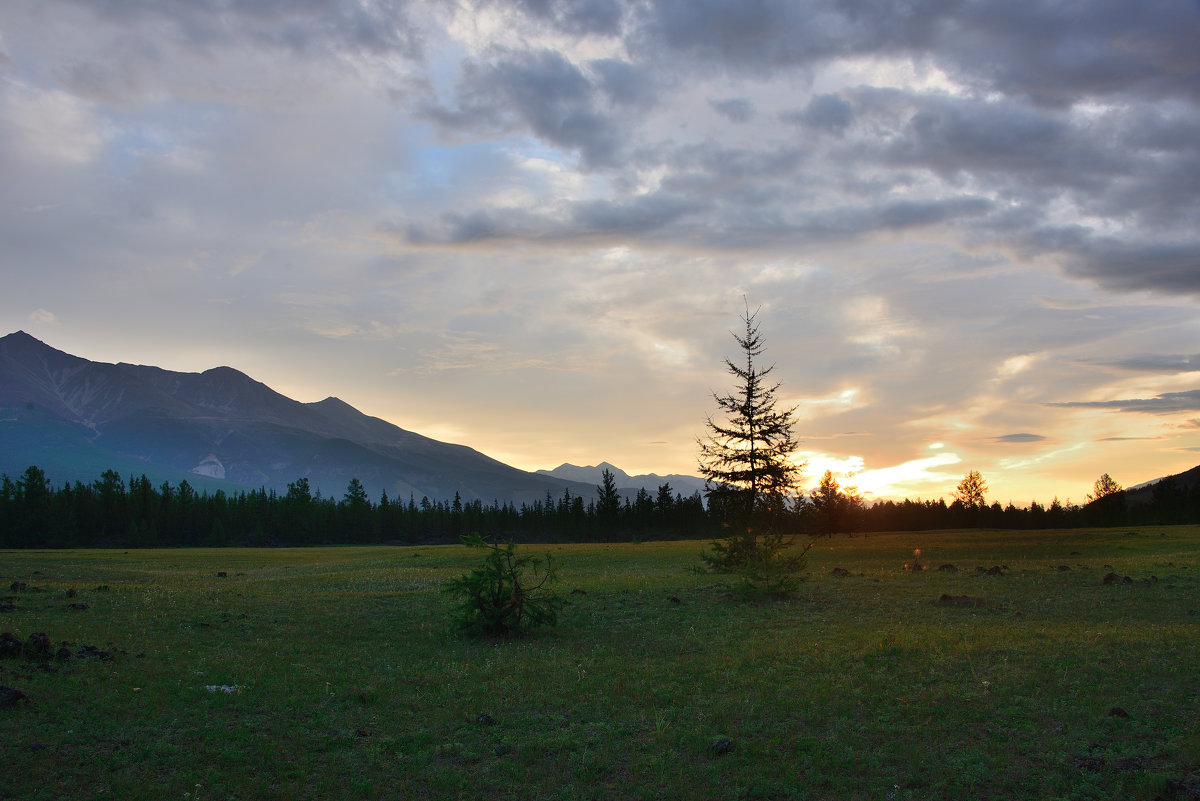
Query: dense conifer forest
x=134 y=513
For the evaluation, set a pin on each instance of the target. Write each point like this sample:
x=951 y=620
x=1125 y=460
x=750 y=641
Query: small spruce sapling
x=772 y=568
x=507 y=594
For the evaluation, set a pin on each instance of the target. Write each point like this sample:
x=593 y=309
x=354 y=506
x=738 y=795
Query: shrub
x=728 y=554
x=773 y=567
x=767 y=564
x=507 y=594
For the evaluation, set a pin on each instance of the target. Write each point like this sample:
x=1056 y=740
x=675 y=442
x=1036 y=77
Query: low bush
x=507 y=594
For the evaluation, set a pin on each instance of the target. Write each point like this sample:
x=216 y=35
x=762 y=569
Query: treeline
x=830 y=509
x=1170 y=505
x=113 y=512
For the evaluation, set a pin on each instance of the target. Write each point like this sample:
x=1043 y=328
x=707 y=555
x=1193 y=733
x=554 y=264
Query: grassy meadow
x=347 y=681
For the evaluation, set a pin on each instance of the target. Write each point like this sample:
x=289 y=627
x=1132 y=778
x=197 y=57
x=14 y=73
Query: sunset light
x=528 y=228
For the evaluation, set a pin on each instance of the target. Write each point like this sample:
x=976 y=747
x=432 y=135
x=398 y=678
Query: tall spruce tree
x=608 y=500
x=746 y=461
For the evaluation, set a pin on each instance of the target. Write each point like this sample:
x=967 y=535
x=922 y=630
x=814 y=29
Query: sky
x=970 y=231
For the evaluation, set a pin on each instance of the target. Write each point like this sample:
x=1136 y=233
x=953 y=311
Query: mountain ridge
x=224 y=429
x=628 y=485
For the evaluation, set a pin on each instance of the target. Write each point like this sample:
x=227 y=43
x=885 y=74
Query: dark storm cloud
x=768 y=34
x=953 y=135
x=1023 y=150
x=540 y=91
x=1167 y=403
x=305 y=26
x=1128 y=265
x=1164 y=363
x=477 y=226
x=576 y=17
x=734 y=109
x=1057 y=53
x=1052 y=52
x=1019 y=438
x=849 y=222
x=585 y=219
x=624 y=83
x=710 y=168
x=117 y=79
x=1133 y=166
x=827 y=112
x=642 y=214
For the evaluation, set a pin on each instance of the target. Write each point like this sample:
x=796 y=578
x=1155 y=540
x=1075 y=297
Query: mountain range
x=221 y=429
x=628 y=485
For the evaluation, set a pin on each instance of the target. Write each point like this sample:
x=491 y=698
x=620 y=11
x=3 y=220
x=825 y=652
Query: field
x=346 y=680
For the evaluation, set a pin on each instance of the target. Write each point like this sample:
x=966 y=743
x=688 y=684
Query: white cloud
x=911 y=478
x=839 y=402
x=51 y=125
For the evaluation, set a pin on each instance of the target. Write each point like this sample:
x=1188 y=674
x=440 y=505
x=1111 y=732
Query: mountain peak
x=591 y=473
x=19 y=342
x=594 y=475
x=333 y=402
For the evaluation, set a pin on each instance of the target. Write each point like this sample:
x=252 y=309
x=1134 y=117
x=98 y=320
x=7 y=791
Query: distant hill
x=221 y=429
x=627 y=484
x=1144 y=493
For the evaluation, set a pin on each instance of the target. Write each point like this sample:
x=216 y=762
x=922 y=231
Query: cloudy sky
x=972 y=229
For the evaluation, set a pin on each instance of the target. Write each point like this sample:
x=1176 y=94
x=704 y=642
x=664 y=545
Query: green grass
x=861 y=687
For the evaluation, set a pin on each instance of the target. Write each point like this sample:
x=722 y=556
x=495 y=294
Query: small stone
x=10 y=697
x=10 y=646
x=1178 y=788
x=93 y=652
x=721 y=746
x=38 y=644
